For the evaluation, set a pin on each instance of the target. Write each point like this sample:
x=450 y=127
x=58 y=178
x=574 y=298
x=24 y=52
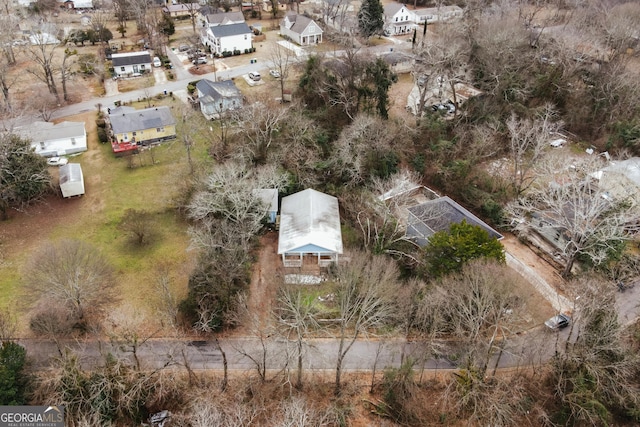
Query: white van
x=156 y=62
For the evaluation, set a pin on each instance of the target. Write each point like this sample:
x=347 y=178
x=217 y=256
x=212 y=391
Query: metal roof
x=309 y=217
x=39 y=132
x=71 y=172
x=148 y=118
x=438 y=215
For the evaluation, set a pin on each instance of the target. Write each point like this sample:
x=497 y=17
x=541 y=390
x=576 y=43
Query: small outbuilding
x=309 y=225
x=71 y=180
x=269 y=198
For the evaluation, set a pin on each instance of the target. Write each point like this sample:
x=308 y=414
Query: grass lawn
x=112 y=187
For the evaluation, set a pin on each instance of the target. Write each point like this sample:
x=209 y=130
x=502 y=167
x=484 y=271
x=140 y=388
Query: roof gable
x=218 y=90
x=225 y=18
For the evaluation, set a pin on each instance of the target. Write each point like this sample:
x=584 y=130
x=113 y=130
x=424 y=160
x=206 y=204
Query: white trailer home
x=71 y=180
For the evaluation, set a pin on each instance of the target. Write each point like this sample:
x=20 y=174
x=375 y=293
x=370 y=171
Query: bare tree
x=72 y=274
x=139 y=224
x=296 y=315
x=528 y=140
x=364 y=289
x=8 y=325
x=599 y=354
x=568 y=205
x=42 y=52
x=282 y=59
x=127 y=331
x=229 y=193
x=257 y=327
x=261 y=124
x=65 y=70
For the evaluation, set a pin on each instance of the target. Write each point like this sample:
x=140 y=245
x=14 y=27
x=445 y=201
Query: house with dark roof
x=217 y=98
x=131 y=128
x=131 y=63
x=181 y=10
x=438 y=214
x=227 y=38
x=226 y=18
x=300 y=29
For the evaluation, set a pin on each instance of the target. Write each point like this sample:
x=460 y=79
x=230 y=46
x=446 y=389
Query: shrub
x=237 y=52
x=102 y=135
x=101 y=123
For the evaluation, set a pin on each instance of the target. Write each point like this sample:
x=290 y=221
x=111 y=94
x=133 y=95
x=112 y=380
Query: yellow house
x=142 y=127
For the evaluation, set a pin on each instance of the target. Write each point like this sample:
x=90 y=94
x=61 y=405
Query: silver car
x=557 y=322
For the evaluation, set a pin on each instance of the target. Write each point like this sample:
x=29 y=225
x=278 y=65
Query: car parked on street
x=57 y=161
x=557 y=322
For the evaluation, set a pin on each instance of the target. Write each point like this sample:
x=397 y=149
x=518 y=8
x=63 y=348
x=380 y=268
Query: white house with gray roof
x=49 y=139
x=300 y=29
x=309 y=225
x=227 y=38
x=218 y=97
x=398 y=19
x=131 y=63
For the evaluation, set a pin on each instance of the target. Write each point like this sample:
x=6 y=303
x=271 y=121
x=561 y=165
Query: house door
x=135 y=68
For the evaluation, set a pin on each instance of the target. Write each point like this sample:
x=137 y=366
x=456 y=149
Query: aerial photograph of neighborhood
x=319 y=213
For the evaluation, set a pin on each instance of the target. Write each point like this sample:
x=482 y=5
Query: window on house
x=396 y=19
x=121 y=68
x=245 y=36
x=41 y=144
x=159 y=129
x=134 y=134
x=73 y=141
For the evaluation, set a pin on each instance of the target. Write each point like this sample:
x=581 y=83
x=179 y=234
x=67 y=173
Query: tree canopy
x=23 y=174
x=449 y=250
x=370 y=20
x=12 y=378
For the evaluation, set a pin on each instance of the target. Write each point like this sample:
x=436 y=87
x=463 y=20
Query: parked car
x=57 y=161
x=184 y=48
x=255 y=76
x=157 y=62
x=275 y=74
x=557 y=322
x=200 y=60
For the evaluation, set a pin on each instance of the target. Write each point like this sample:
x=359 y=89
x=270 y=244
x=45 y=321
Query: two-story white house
x=300 y=29
x=131 y=63
x=398 y=19
x=227 y=38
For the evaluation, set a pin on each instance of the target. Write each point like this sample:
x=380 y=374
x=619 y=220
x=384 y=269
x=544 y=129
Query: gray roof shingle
x=123 y=122
x=230 y=30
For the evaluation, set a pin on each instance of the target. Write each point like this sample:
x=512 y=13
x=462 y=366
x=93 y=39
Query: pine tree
x=370 y=18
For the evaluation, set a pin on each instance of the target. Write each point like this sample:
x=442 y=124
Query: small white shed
x=71 y=180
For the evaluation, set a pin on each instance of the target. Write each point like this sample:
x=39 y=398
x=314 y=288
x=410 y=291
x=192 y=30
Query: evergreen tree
x=370 y=18
x=12 y=378
x=449 y=250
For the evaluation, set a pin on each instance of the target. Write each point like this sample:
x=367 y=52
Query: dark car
x=557 y=322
